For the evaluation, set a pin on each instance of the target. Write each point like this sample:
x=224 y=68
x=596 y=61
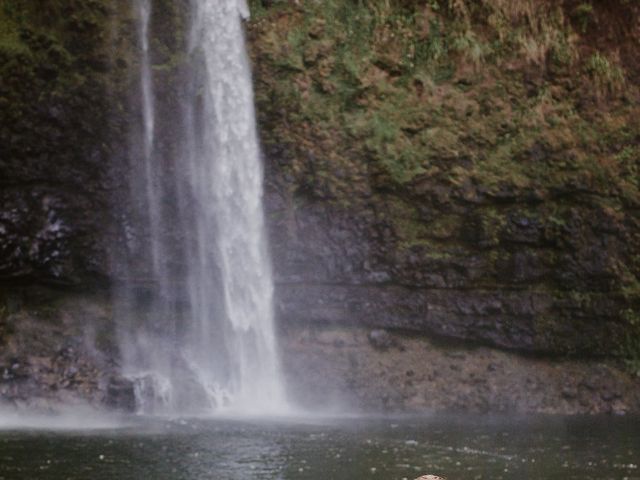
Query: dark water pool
x=463 y=448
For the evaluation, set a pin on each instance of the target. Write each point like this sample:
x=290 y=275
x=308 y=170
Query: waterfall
x=148 y=124
x=207 y=339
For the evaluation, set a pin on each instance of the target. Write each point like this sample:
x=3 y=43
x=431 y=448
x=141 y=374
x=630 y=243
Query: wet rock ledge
x=60 y=349
x=57 y=350
x=397 y=371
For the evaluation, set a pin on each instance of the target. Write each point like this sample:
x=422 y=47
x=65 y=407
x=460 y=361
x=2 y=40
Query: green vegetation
x=607 y=76
x=421 y=88
x=54 y=57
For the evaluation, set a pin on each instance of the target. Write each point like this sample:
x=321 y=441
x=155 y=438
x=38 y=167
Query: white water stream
x=215 y=349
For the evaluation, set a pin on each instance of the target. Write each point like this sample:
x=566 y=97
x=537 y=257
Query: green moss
x=630 y=348
x=584 y=16
x=445 y=226
x=10 y=42
x=607 y=75
x=492 y=222
x=408 y=228
x=424 y=90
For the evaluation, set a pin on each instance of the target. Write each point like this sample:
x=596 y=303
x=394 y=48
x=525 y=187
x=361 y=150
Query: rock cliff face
x=454 y=170
x=61 y=80
x=467 y=169
x=66 y=68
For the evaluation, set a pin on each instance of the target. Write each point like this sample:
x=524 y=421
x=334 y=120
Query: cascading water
x=209 y=342
x=148 y=126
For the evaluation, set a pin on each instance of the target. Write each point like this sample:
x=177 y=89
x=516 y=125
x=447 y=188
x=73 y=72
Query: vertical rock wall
x=467 y=169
